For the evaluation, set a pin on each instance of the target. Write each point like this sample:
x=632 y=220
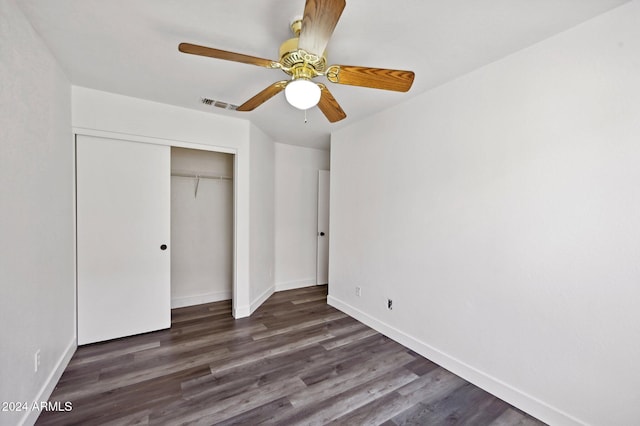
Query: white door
x=322 y=265
x=123 y=229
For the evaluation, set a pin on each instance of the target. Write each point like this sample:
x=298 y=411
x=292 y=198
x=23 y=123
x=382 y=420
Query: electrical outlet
x=358 y=291
x=389 y=304
x=36 y=361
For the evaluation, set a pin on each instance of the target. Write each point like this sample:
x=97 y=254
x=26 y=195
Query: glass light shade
x=302 y=93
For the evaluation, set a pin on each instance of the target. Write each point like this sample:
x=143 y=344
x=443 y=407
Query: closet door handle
x=163 y=247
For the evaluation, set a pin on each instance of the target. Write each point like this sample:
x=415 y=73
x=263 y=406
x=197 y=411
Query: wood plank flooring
x=295 y=361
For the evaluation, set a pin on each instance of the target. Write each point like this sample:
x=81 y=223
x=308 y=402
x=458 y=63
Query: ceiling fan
x=303 y=58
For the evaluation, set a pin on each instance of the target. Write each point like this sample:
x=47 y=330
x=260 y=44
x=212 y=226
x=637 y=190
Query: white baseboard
x=261 y=299
x=198 y=299
x=247 y=310
x=290 y=285
x=513 y=396
x=31 y=416
x=241 y=311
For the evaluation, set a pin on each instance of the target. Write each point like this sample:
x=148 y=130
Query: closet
x=201 y=226
x=145 y=237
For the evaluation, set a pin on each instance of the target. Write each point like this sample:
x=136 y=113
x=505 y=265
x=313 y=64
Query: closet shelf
x=201 y=176
x=198 y=176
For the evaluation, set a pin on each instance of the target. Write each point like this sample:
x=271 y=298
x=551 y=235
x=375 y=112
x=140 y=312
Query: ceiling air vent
x=219 y=104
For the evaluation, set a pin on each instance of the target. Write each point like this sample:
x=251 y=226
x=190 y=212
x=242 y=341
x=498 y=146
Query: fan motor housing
x=291 y=56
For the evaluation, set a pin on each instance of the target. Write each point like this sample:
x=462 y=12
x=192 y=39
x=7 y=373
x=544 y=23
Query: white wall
x=201 y=227
x=296 y=214
x=500 y=212
x=106 y=114
x=37 y=306
x=262 y=217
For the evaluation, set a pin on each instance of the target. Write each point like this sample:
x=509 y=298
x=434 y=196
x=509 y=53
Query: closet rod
x=191 y=175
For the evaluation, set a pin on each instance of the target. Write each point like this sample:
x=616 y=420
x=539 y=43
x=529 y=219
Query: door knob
x=322 y=234
x=163 y=247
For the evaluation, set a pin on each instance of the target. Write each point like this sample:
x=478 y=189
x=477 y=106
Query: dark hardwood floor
x=296 y=360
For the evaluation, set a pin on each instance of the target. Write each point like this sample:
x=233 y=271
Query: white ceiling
x=131 y=47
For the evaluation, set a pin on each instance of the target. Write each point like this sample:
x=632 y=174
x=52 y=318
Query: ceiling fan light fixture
x=302 y=93
x=303 y=58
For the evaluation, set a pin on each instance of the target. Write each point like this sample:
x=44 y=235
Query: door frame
x=327 y=175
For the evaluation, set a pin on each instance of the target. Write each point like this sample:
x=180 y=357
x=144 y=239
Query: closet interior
x=202 y=202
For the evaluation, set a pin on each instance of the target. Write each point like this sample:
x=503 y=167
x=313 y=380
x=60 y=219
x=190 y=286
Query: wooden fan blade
x=376 y=78
x=194 y=49
x=329 y=106
x=263 y=96
x=319 y=21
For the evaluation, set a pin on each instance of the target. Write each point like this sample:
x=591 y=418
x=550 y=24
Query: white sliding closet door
x=123 y=230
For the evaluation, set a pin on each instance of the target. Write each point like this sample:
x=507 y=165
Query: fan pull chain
x=305 y=117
